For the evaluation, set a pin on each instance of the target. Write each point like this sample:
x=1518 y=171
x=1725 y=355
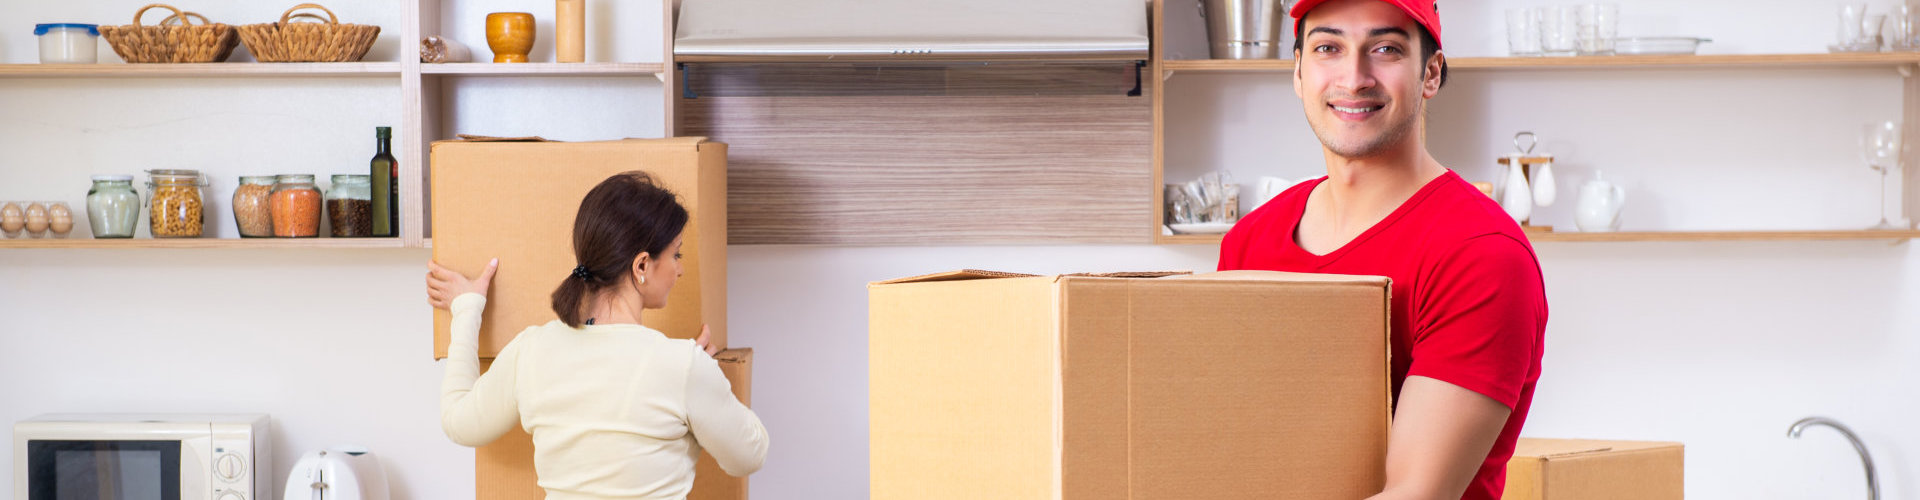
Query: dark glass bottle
x=385 y=173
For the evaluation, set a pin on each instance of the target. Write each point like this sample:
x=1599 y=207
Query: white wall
x=1717 y=345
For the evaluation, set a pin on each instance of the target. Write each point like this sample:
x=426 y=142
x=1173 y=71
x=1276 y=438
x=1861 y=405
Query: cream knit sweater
x=615 y=411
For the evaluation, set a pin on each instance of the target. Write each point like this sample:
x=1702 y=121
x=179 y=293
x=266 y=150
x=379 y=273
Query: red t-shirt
x=1468 y=305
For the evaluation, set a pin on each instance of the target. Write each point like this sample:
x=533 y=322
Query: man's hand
x=1441 y=434
x=443 y=284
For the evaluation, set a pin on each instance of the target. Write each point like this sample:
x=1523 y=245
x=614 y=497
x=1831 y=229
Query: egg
x=36 y=218
x=12 y=218
x=59 y=218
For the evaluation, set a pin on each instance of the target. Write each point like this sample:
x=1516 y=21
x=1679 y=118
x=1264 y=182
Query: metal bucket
x=1245 y=29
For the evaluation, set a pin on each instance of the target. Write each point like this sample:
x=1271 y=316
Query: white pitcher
x=1600 y=203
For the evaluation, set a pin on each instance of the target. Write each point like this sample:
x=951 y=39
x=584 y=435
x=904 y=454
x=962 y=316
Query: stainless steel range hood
x=910 y=30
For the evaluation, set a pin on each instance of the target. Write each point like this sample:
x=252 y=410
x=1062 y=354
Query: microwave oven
x=143 y=456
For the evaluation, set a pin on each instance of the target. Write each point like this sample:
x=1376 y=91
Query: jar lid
x=120 y=178
x=307 y=178
x=176 y=172
x=41 y=29
x=256 y=178
x=352 y=178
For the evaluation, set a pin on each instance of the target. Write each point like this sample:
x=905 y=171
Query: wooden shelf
x=543 y=69
x=208 y=70
x=1888 y=59
x=1644 y=236
x=84 y=242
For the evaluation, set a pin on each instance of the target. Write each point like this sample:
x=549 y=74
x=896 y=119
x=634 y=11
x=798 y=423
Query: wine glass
x=1880 y=147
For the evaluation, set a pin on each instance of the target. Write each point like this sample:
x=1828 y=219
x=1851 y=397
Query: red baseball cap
x=1422 y=11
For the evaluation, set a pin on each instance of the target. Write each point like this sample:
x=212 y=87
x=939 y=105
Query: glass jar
x=113 y=207
x=251 y=212
x=295 y=204
x=175 y=209
x=350 y=206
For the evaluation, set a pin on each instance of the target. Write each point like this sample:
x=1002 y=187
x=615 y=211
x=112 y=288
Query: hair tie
x=581 y=272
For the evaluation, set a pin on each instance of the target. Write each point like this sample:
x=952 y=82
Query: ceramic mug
x=510 y=35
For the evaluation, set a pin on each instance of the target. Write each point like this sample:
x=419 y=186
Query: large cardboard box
x=517 y=201
x=1241 y=384
x=503 y=470
x=1580 y=469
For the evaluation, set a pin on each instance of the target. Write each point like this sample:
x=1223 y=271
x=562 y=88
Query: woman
x=616 y=409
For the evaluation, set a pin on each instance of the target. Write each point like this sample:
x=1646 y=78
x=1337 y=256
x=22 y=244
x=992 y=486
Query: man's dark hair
x=1428 y=46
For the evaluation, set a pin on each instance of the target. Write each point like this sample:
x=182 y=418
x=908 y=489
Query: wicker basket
x=165 y=43
x=288 y=41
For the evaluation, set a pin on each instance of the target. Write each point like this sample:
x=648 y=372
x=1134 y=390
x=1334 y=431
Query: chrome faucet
x=1873 y=483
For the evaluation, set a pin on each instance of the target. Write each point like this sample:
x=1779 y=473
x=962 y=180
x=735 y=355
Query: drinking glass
x=1559 y=30
x=1853 y=17
x=1599 y=23
x=1523 y=32
x=1880 y=146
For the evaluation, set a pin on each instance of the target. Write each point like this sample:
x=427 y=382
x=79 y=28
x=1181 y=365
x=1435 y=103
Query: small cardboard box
x=1243 y=384
x=1579 y=469
x=517 y=201
x=503 y=470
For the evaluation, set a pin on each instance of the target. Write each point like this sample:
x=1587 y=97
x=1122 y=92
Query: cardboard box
x=1242 y=384
x=517 y=201
x=1578 y=469
x=503 y=470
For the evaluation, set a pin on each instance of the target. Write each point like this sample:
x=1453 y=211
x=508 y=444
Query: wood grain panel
x=934 y=169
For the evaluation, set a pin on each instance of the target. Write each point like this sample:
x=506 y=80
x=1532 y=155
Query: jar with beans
x=350 y=206
x=176 y=208
x=250 y=211
x=295 y=204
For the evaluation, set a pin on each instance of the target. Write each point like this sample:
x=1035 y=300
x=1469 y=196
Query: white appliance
x=910 y=30
x=126 y=456
x=337 y=473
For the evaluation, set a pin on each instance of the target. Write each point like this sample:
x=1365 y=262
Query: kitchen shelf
x=207 y=70
x=543 y=69
x=1888 y=59
x=84 y=242
x=1644 y=236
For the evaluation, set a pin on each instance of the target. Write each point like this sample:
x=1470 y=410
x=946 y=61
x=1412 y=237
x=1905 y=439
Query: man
x=1468 y=306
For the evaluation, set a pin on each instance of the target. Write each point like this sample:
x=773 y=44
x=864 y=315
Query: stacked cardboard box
x=1581 y=469
x=516 y=200
x=1225 y=385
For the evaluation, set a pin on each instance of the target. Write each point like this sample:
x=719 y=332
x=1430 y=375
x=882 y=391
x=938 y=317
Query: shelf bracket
x=1166 y=75
x=686 y=90
x=1906 y=70
x=1138 y=80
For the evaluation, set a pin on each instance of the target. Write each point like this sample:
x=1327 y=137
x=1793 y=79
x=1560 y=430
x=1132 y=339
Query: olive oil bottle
x=385 y=173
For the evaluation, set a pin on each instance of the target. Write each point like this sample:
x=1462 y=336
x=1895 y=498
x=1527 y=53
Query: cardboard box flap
x=669 y=141
x=1549 y=449
x=1290 y=277
x=1130 y=274
x=960 y=275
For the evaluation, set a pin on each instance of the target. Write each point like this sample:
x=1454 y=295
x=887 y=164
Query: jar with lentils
x=250 y=211
x=295 y=204
x=176 y=209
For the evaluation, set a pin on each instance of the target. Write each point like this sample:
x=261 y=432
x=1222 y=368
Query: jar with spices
x=295 y=204
x=113 y=207
x=175 y=211
x=250 y=211
x=350 y=206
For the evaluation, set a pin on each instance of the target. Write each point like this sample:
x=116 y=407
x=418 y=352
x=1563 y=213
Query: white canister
x=68 y=43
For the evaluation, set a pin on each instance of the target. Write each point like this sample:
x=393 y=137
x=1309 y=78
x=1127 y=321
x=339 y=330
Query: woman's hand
x=444 y=284
x=702 y=342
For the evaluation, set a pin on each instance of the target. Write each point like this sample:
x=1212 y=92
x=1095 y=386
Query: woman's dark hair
x=623 y=216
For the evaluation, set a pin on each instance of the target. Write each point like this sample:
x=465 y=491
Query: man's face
x=1360 y=76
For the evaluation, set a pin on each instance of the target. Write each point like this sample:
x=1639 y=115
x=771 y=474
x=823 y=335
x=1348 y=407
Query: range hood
x=910 y=30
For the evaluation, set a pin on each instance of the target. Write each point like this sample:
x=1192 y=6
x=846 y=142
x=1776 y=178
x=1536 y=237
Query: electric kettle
x=343 y=472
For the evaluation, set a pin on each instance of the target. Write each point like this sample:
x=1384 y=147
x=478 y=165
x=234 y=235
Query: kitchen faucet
x=1873 y=484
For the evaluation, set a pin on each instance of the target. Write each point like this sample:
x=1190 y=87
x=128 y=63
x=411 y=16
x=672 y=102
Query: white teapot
x=1599 y=207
